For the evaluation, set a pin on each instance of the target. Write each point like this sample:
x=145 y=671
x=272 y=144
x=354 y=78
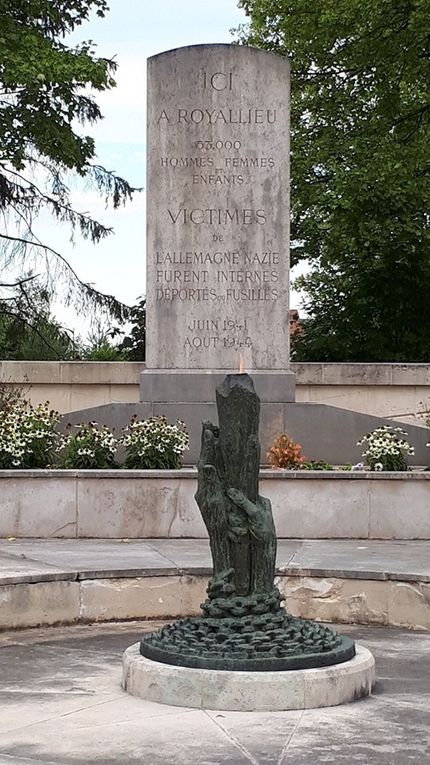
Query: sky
x=131 y=31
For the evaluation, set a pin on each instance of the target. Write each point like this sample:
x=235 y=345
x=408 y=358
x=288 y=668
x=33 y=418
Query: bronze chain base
x=252 y=642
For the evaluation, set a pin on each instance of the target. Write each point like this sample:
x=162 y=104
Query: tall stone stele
x=217 y=226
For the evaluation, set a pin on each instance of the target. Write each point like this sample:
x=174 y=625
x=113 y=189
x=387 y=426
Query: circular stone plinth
x=248 y=691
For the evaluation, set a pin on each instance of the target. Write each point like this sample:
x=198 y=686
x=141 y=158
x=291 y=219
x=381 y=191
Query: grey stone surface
x=116 y=373
x=61 y=703
x=159 y=597
x=362 y=559
x=88 y=559
x=323 y=511
x=44 y=602
x=386 y=520
x=248 y=691
x=164 y=386
x=66 y=372
x=15 y=568
x=136 y=504
x=137 y=508
x=116 y=416
x=19 y=495
x=331 y=433
x=218 y=169
x=358 y=601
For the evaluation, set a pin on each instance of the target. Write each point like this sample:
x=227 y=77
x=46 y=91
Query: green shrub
x=154 y=444
x=92 y=446
x=27 y=435
x=386 y=449
x=316 y=465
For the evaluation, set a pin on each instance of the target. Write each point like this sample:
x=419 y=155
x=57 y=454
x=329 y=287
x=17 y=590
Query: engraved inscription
x=217 y=216
x=218 y=81
x=201 y=116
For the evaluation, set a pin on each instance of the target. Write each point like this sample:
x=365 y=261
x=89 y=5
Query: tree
x=28 y=331
x=46 y=89
x=99 y=345
x=360 y=170
x=133 y=345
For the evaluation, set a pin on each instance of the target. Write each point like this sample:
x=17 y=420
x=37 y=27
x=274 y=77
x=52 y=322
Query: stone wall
x=141 y=504
x=385 y=390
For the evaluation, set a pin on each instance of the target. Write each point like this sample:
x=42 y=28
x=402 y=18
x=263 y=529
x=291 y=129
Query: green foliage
x=28 y=331
x=91 y=446
x=104 y=352
x=360 y=170
x=385 y=449
x=133 y=344
x=46 y=91
x=27 y=435
x=43 y=342
x=152 y=444
x=316 y=465
x=100 y=345
x=45 y=77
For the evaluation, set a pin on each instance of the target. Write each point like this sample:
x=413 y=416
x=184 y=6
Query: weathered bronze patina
x=243 y=626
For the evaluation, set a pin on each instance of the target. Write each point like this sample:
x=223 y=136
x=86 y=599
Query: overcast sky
x=132 y=31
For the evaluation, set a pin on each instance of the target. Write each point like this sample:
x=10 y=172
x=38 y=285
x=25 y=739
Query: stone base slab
x=248 y=691
x=192 y=386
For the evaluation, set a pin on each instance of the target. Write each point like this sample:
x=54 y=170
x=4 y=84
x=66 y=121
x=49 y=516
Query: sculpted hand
x=259 y=514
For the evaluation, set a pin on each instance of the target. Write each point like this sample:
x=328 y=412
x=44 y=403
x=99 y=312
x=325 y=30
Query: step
x=57 y=581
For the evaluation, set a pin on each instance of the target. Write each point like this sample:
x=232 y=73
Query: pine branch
x=118 y=309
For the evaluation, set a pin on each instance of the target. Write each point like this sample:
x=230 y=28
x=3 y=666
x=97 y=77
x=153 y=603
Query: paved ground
x=61 y=704
x=35 y=560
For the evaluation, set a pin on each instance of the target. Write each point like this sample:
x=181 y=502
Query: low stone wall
x=358 y=601
x=74 y=600
x=146 y=504
x=396 y=391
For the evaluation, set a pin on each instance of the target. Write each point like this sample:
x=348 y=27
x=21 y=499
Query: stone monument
x=244 y=630
x=217 y=225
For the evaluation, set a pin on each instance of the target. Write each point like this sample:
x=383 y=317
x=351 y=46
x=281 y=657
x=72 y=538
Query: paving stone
x=373 y=559
x=61 y=703
x=349 y=558
x=92 y=558
x=15 y=569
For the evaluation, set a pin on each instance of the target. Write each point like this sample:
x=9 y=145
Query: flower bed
x=29 y=439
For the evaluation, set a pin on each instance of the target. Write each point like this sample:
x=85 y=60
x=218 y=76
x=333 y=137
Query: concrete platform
x=45 y=582
x=61 y=704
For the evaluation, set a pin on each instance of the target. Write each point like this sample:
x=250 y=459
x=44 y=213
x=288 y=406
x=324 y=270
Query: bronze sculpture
x=244 y=625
